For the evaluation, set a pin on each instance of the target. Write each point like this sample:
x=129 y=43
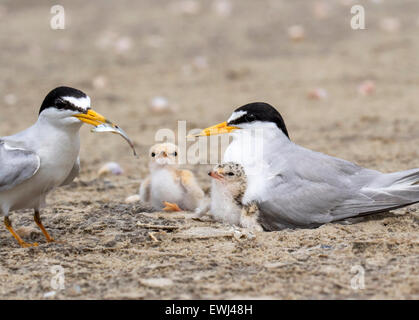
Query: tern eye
x=60 y=104
x=175 y=154
x=250 y=117
x=153 y=154
x=230 y=174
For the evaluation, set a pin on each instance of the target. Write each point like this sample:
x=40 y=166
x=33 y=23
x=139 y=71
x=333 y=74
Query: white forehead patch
x=237 y=114
x=83 y=103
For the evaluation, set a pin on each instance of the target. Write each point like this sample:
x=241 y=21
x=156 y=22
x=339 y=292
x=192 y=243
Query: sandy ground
x=206 y=64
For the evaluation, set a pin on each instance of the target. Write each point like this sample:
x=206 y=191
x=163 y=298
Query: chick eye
x=153 y=154
x=230 y=174
x=175 y=154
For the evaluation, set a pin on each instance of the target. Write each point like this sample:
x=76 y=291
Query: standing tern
x=44 y=156
x=297 y=187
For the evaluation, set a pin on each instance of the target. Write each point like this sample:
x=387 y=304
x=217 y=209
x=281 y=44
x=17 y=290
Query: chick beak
x=215 y=175
x=92 y=117
x=214 y=130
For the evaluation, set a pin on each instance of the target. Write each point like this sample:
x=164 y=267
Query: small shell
x=132 y=199
x=366 y=88
x=223 y=8
x=99 y=82
x=110 y=168
x=123 y=44
x=159 y=105
x=317 y=94
x=296 y=32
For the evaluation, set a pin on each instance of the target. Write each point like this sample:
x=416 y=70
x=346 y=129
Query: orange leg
x=38 y=221
x=171 y=206
x=22 y=243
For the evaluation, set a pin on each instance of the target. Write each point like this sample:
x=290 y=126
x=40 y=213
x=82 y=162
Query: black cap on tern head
x=65 y=98
x=258 y=111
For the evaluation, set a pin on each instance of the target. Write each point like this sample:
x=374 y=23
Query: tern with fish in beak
x=44 y=156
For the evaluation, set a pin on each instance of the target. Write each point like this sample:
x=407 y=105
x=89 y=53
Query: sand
x=206 y=64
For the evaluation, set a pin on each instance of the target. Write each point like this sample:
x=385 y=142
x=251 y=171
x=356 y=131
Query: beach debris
x=317 y=94
x=50 y=294
x=160 y=104
x=110 y=168
x=223 y=8
x=99 y=82
x=123 y=44
x=242 y=234
x=296 y=33
x=109 y=127
x=26 y=232
x=157 y=282
x=367 y=87
x=156 y=227
x=390 y=24
x=132 y=199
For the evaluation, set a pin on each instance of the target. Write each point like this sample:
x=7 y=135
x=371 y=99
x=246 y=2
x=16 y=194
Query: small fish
x=109 y=127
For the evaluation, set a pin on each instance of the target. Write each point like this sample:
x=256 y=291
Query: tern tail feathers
x=387 y=192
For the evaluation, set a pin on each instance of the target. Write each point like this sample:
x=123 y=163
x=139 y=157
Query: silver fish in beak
x=110 y=127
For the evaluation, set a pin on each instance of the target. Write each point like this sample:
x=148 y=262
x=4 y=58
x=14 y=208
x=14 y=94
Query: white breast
x=223 y=208
x=164 y=187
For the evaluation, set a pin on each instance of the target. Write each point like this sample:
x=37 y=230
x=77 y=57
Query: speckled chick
x=228 y=188
x=167 y=187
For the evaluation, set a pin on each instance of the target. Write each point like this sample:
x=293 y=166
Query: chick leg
x=38 y=221
x=22 y=243
x=250 y=216
x=171 y=206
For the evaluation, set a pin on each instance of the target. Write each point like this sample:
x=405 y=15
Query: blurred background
x=146 y=64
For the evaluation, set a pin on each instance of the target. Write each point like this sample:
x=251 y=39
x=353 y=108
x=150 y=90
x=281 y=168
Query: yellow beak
x=217 y=129
x=92 y=117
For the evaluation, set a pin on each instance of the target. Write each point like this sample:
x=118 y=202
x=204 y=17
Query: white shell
x=110 y=168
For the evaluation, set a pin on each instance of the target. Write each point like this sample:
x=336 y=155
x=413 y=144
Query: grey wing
x=73 y=174
x=311 y=189
x=16 y=165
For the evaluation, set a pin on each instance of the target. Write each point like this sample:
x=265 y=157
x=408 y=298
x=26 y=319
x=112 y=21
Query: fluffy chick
x=228 y=187
x=167 y=187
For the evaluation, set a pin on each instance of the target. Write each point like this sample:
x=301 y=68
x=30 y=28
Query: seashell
x=223 y=8
x=317 y=94
x=99 y=82
x=123 y=44
x=296 y=32
x=132 y=199
x=159 y=104
x=110 y=168
x=366 y=88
